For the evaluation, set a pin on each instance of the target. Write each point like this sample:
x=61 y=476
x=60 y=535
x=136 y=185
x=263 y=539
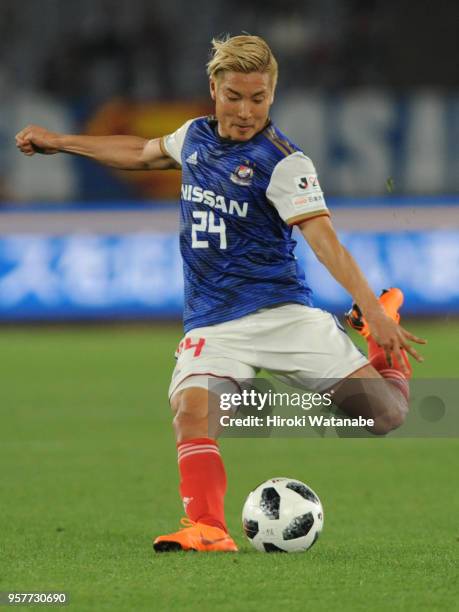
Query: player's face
x=242 y=103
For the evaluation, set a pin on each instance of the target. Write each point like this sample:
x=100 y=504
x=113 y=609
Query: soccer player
x=247 y=303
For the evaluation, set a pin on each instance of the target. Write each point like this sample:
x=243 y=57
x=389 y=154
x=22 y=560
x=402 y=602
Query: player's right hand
x=35 y=139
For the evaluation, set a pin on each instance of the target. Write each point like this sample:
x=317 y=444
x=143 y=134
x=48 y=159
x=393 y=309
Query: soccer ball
x=282 y=515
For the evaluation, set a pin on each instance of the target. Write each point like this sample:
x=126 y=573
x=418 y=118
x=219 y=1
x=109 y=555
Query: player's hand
x=392 y=337
x=34 y=139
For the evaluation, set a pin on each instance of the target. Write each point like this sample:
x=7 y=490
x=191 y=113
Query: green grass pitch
x=89 y=475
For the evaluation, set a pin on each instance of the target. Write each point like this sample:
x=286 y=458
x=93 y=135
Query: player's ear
x=213 y=88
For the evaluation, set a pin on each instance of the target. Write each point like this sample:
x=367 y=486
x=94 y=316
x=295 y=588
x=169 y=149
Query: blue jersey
x=239 y=201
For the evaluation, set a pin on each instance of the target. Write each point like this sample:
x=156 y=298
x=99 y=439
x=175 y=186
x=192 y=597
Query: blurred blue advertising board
x=139 y=275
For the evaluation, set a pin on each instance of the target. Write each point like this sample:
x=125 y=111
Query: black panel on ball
x=272 y=547
x=316 y=537
x=270 y=502
x=303 y=490
x=250 y=528
x=298 y=527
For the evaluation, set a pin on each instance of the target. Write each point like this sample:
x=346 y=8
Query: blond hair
x=242 y=54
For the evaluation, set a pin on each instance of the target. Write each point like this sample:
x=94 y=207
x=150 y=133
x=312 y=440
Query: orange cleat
x=196 y=536
x=390 y=299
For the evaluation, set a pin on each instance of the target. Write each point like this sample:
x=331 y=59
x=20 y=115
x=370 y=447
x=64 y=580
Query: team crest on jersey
x=243 y=173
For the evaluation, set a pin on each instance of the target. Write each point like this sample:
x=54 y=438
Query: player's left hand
x=392 y=337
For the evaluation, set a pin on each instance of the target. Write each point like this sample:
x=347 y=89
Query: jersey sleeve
x=294 y=190
x=172 y=144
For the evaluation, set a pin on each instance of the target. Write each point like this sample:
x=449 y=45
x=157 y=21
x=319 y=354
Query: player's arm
x=321 y=237
x=123 y=152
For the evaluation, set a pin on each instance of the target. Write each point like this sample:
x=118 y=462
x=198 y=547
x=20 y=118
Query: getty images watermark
x=332 y=408
x=269 y=400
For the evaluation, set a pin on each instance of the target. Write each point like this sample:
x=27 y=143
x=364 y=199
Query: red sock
x=394 y=373
x=202 y=481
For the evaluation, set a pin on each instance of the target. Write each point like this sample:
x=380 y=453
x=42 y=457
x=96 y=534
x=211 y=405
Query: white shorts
x=294 y=343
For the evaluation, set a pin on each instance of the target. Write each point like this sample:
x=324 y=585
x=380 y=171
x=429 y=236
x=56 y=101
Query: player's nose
x=244 y=110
